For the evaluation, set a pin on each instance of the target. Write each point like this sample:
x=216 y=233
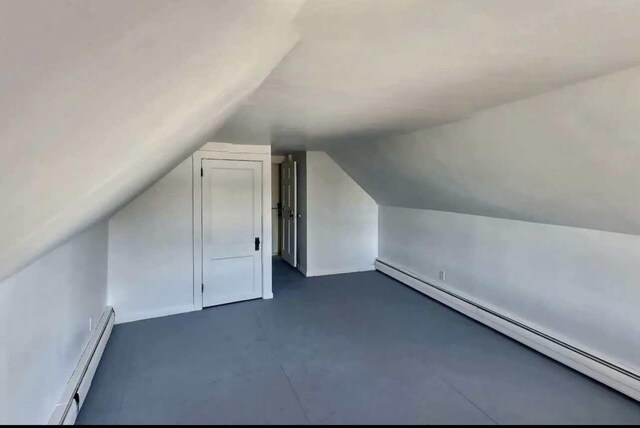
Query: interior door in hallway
x=231 y=231
x=289 y=211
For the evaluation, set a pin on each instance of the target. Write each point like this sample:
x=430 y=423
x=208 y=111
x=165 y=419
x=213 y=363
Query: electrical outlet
x=90 y=324
x=443 y=275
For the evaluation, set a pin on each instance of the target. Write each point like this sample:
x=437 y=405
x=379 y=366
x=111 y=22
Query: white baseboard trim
x=124 y=317
x=68 y=408
x=616 y=377
x=336 y=271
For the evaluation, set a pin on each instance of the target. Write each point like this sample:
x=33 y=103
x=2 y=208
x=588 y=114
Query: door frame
x=294 y=219
x=238 y=152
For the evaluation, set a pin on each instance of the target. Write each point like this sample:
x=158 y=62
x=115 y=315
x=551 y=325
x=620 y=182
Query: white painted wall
x=151 y=250
x=578 y=285
x=342 y=220
x=44 y=324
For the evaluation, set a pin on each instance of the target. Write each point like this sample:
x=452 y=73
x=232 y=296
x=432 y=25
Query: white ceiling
x=372 y=67
x=100 y=98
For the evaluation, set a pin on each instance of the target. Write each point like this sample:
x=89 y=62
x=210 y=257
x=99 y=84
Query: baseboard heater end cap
x=66 y=411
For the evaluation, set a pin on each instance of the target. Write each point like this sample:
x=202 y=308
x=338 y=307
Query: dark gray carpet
x=354 y=348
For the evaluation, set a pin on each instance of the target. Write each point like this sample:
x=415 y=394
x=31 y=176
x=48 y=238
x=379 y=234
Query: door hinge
x=257 y=243
x=201 y=172
x=202 y=288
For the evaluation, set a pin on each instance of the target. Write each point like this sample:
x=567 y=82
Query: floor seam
x=452 y=386
x=468 y=399
x=284 y=372
x=268 y=339
x=304 y=409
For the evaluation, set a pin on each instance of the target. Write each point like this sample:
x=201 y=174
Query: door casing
x=288 y=198
x=225 y=151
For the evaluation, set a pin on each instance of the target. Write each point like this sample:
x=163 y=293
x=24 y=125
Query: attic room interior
x=320 y=212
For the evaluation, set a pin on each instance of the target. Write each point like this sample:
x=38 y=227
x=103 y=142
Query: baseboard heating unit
x=619 y=378
x=67 y=410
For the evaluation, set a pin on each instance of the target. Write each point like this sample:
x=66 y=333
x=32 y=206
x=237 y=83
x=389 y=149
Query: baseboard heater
x=67 y=410
x=610 y=374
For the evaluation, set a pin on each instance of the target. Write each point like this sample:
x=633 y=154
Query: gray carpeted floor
x=353 y=348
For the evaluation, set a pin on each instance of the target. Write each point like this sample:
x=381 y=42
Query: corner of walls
x=342 y=220
x=303 y=270
x=576 y=285
x=552 y=158
x=151 y=244
x=151 y=250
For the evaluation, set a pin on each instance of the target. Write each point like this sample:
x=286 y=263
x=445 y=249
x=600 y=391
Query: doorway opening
x=285 y=210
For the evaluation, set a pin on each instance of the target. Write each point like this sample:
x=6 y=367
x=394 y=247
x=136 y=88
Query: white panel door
x=231 y=231
x=289 y=211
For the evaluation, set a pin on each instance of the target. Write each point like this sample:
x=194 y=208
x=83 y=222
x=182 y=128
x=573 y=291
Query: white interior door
x=289 y=211
x=231 y=231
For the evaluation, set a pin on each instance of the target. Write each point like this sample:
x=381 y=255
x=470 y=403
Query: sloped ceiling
x=100 y=98
x=378 y=67
x=568 y=157
x=418 y=101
